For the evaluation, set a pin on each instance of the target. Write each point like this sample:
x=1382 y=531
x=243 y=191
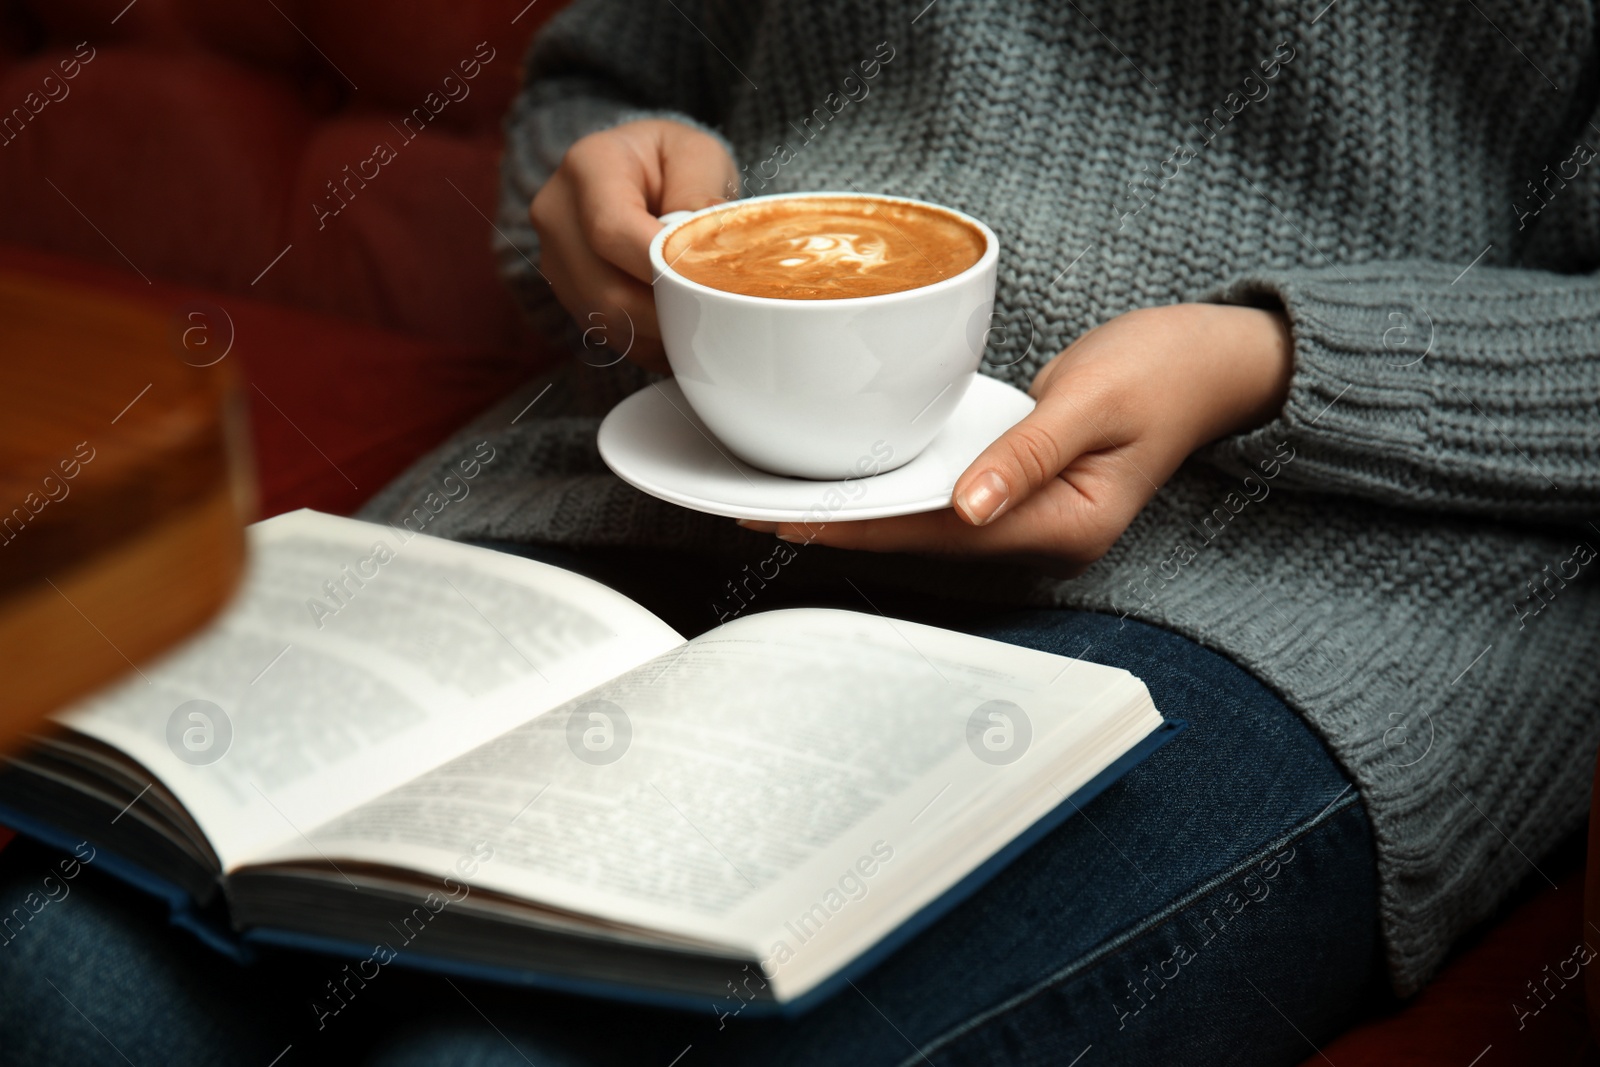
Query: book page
x=701 y=793
x=355 y=657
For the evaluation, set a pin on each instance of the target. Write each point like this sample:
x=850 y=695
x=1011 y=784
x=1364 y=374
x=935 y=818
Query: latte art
x=823 y=248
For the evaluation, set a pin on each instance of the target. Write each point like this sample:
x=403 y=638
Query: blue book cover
x=210 y=925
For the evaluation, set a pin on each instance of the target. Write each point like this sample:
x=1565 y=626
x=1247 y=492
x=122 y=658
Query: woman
x=1303 y=294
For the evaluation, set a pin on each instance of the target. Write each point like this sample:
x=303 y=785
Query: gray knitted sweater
x=1406 y=554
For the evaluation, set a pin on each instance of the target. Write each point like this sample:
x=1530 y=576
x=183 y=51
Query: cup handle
x=672 y=218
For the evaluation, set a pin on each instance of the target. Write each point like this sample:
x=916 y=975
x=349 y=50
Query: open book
x=394 y=747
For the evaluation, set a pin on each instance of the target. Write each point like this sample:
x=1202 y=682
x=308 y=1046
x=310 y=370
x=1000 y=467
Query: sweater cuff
x=1414 y=390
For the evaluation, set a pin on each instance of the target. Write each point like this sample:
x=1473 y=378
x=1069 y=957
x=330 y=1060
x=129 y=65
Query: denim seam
x=1118 y=941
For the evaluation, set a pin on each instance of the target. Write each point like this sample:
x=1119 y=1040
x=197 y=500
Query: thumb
x=696 y=171
x=1026 y=457
x=616 y=173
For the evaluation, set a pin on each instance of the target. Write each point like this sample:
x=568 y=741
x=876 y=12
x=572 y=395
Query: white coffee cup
x=825 y=389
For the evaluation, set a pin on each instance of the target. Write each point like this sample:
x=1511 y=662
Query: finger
x=610 y=307
x=650 y=355
x=1052 y=523
x=696 y=172
x=936 y=532
x=615 y=219
x=564 y=260
x=622 y=187
x=615 y=315
x=611 y=179
x=942 y=533
x=1029 y=455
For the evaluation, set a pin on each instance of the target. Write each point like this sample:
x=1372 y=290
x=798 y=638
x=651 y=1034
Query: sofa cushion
x=202 y=141
x=336 y=408
x=197 y=195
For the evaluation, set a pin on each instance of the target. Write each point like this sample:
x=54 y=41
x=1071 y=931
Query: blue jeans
x=1217 y=905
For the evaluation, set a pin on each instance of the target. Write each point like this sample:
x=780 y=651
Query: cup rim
x=663 y=269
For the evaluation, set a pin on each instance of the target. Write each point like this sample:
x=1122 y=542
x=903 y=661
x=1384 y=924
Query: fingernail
x=793 y=538
x=758 y=526
x=984 y=500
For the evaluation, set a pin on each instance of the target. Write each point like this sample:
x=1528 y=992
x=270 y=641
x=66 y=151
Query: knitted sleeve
x=598 y=64
x=1426 y=386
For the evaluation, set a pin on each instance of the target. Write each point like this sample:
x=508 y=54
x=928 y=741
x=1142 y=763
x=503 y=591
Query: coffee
x=823 y=247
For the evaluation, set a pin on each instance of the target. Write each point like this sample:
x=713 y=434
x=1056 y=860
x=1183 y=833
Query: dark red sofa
x=229 y=153
x=226 y=152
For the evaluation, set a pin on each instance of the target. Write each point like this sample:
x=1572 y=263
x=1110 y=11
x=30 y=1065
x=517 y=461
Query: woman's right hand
x=598 y=213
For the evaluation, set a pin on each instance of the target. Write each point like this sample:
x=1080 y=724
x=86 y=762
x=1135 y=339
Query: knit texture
x=1406 y=554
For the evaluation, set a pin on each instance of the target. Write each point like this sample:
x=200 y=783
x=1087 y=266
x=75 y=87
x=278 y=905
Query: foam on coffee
x=823 y=247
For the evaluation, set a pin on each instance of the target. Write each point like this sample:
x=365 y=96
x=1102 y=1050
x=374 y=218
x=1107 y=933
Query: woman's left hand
x=1117 y=412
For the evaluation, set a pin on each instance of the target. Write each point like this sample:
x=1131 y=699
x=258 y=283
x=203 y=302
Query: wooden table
x=124 y=488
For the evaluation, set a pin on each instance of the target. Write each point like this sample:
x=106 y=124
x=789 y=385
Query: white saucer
x=654 y=441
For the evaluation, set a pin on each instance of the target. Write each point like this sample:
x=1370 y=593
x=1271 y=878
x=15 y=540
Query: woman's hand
x=1117 y=412
x=597 y=214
